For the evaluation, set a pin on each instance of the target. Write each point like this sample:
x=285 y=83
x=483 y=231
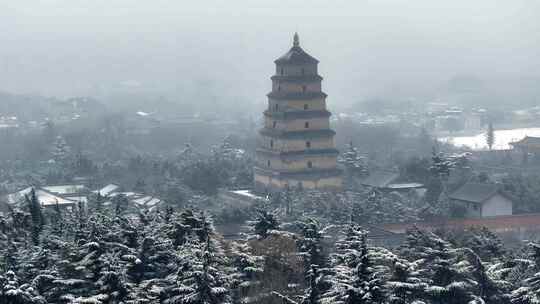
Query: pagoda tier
x=296 y=145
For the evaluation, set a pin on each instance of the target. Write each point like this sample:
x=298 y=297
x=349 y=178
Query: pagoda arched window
x=306 y=125
x=308 y=144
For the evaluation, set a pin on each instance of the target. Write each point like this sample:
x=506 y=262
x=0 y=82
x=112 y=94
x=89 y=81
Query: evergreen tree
x=310 y=244
x=405 y=286
x=354 y=164
x=529 y=293
x=487 y=289
x=490 y=136
x=367 y=285
x=61 y=150
x=354 y=278
x=264 y=222
x=37 y=216
x=313 y=292
x=13 y=292
x=246 y=278
x=198 y=281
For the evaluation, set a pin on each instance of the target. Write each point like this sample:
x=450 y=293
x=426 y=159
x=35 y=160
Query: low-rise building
x=389 y=181
x=46 y=199
x=482 y=200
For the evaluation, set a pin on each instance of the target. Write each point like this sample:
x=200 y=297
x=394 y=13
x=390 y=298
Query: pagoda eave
x=296 y=96
x=299 y=153
x=325 y=133
x=305 y=174
x=302 y=114
x=297 y=78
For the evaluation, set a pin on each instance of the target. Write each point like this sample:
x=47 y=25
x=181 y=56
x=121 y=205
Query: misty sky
x=168 y=47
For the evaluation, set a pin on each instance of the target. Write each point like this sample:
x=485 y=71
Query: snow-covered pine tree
x=354 y=278
x=313 y=292
x=247 y=271
x=486 y=288
x=15 y=293
x=60 y=150
x=490 y=136
x=310 y=246
x=199 y=279
x=354 y=164
x=36 y=213
x=440 y=266
x=449 y=283
x=486 y=244
x=405 y=286
x=367 y=286
x=264 y=223
x=529 y=293
x=111 y=284
x=525 y=275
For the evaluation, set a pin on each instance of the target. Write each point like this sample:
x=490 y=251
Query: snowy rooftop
x=247 y=193
x=65 y=189
x=405 y=185
x=44 y=197
x=107 y=190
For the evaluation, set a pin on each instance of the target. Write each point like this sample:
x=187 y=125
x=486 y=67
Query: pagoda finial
x=296 y=40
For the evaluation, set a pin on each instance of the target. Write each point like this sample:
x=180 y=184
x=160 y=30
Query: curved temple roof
x=296 y=55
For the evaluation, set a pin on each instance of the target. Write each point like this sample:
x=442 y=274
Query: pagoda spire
x=296 y=40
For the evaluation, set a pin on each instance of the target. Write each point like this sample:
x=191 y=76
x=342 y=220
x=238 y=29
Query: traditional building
x=296 y=146
x=528 y=147
x=482 y=200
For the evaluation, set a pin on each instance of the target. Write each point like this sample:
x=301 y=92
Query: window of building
x=309 y=164
x=303 y=71
x=304 y=89
x=306 y=125
x=274 y=124
x=308 y=144
x=276 y=107
x=306 y=106
x=268 y=163
x=281 y=71
x=271 y=143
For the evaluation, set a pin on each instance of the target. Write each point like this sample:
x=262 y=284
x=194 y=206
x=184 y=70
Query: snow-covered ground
x=503 y=138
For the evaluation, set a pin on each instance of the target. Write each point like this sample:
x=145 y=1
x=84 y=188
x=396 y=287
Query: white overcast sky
x=72 y=47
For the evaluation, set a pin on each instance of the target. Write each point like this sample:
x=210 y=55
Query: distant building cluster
x=69 y=196
x=7 y=122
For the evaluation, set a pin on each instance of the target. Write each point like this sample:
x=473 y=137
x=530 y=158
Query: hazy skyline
x=366 y=48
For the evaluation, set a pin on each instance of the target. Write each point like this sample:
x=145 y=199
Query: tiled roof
x=527 y=140
x=503 y=223
x=296 y=55
x=475 y=192
x=380 y=179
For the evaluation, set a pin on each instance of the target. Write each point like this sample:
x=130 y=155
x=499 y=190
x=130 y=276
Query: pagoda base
x=266 y=181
